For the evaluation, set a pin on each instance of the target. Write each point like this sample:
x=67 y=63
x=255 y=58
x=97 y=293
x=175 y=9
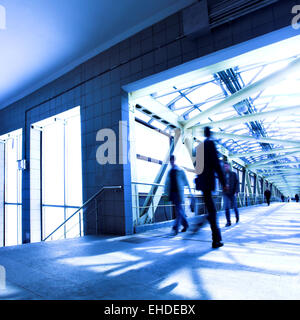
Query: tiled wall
x=96 y=87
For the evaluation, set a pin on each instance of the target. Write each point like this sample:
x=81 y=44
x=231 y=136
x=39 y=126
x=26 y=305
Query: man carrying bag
x=208 y=162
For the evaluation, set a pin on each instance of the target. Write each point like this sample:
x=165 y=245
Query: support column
x=35 y=185
x=2 y=176
x=258 y=187
x=134 y=188
x=248 y=183
x=26 y=184
x=243 y=198
x=263 y=188
x=114 y=208
x=254 y=190
x=243 y=181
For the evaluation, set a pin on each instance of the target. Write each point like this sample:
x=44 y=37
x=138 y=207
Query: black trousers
x=212 y=217
x=230 y=202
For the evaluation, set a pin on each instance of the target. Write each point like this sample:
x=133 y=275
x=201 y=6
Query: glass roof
x=193 y=98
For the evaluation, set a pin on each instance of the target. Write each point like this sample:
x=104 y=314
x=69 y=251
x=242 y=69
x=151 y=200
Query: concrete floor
x=260 y=260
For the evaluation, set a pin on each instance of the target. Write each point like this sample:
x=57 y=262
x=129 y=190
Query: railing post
x=138 y=208
x=96 y=208
x=152 y=204
x=79 y=223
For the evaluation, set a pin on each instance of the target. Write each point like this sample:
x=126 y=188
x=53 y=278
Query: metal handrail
x=79 y=209
x=243 y=198
x=193 y=188
x=155 y=184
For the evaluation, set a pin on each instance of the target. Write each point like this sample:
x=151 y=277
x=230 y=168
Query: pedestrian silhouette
x=205 y=181
x=267 y=194
x=174 y=188
x=232 y=189
x=297 y=197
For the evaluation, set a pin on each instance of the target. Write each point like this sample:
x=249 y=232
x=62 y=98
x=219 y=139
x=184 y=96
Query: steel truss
x=271 y=169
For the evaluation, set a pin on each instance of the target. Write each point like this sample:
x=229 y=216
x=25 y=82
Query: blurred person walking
x=205 y=182
x=229 y=195
x=267 y=194
x=174 y=188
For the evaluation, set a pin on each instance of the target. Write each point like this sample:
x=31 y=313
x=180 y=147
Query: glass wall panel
x=53 y=163
x=12 y=226
x=74 y=224
x=61 y=172
x=73 y=162
x=146 y=172
x=13 y=232
x=52 y=218
x=150 y=143
x=13 y=153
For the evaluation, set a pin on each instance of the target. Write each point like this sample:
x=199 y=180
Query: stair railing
x=94 y=197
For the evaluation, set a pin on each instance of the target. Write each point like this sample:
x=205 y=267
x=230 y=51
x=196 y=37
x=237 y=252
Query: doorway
x=11 y=188
x=60 y=172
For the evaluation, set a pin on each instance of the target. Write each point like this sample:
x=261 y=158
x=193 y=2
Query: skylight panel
x=251 y=74
x=205 y=92
x=194 y=113
x=165 y=100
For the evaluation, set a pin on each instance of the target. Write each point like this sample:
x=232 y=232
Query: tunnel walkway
x=260 y=260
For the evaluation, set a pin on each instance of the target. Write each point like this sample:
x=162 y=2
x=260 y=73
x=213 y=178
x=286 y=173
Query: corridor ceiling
x=42 y=39
x=252 y=103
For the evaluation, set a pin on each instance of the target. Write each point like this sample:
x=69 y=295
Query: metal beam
x=222 y=149
x=262 y=163
x=291 y=187
x=180 y=76
x=289 y=177
x=159 y=110
x=223 y=135
x=263 y=185
x=286 y=188
x=286 y=176
x=248 y=118
x=188 y=142
x=262 y=153
x=153 y=198
x=282 y=185
x=246 y=92
x=284 y=171
x=257 y=185
x=284 y=164
x=248 y=183
x=294 y=189
x=280 y=182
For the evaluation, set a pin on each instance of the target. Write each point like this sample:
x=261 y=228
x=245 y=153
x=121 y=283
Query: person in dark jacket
x=232 y=189
x=267 y=194
x=297 y=197
x=175 y=183
x=205 y=181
